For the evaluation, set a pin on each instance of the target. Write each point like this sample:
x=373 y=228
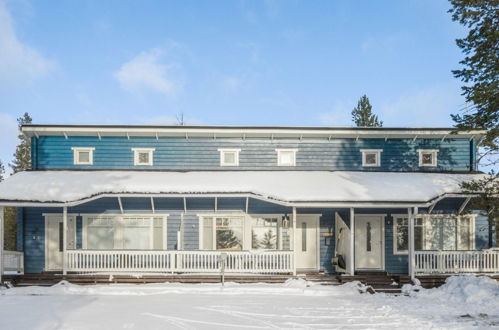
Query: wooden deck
x=377 y=281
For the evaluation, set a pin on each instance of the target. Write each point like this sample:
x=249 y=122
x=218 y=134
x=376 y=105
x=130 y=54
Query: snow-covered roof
x=285 y=186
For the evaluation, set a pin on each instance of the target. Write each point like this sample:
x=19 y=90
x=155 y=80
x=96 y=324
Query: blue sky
x=226 y=62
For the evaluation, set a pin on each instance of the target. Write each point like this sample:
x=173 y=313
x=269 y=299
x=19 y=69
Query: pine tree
x=22 y=156
x=2 y=171
x=268 y=240
x=227 y=240
x=480 y=75
x=362 y=115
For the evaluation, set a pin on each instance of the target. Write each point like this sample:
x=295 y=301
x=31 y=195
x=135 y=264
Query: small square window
x=83 y=156
x=286 y=157
x=229 y=157
x=427 y=157
x=143 y=157
x=371 y=157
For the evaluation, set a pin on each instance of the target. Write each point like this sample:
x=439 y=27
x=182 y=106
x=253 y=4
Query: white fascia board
x=246 y=132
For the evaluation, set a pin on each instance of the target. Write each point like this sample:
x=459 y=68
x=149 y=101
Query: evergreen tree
x=227 y=240
x=22 y=156
x=363 y=116
x=2 y=171
x=255 y=242
x=480 y=75
x=268 y=240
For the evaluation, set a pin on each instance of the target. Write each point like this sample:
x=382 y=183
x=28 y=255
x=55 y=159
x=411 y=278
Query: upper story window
x=428 y=157
x=371 y=157
x=229 y=157
x=83 y=156
x=286 y=157
x=143 y=156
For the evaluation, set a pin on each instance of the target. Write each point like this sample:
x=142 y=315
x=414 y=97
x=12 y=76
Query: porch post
x=64 y=239
x=351 y=263
x=2 y=218
x=411 y=248
x=294 y=241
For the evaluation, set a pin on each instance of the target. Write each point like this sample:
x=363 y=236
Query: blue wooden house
x=260 y=200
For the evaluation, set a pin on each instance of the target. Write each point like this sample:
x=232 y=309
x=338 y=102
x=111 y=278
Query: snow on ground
x=462 y=303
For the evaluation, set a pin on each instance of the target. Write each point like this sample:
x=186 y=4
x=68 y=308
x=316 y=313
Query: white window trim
x=434 y=153
x=378 y=157
x=424 y=216
x=222 y=158
x=279 y=151
x=76 y=158
x=137 y=151
x=118 y=234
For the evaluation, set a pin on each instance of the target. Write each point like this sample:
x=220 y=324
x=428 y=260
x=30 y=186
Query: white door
x=369 y=242
x=54 y=239
x=306 y=250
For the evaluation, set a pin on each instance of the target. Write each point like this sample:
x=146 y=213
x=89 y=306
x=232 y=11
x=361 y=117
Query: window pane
x=464 y=234
x=136 y=233
x=401 y=234
x=449 y=231
x=229 y=158
x=208 y=233
x=287 y=157
x=304 y=236
x=371 y=158
x=158 y=234
x=83 y=156
x=427 y=158
x=264 y=233
x=100 y=233
x=143 y=157
x=229 y=234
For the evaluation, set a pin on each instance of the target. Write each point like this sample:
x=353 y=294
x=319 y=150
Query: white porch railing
x=457 y=262
x=109 y=261
x=13 y=262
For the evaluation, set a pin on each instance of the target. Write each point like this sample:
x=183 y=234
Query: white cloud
x=147 y=72
x=19 y=63
x=429 y=106
x=339 y=115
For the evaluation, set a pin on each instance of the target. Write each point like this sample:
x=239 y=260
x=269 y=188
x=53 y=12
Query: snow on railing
x=264 y=262
x=13 y=262
x=457 y=262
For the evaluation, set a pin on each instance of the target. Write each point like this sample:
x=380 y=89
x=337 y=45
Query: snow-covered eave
x=296 y=203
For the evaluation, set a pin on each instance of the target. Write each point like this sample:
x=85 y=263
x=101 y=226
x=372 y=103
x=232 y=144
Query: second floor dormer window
x=83 y=155
x=427 y=157
x=229 y=157
x=371 y=157
x=286 y=157
x=143 y=156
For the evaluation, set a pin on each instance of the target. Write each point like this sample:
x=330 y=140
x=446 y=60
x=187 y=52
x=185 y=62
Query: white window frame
x=377 y=152
x=222 y=158
x=119 y=226
x=138 y=151
x=279 y=155
x=424 y=218
x=76 y=155
x=433 y=152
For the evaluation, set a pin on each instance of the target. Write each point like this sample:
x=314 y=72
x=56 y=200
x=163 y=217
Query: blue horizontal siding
x=32 y=226
x=53 y=152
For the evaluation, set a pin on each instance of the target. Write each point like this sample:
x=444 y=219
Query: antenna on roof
x=180 y=119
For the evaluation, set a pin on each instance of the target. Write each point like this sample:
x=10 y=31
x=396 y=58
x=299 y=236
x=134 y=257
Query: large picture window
x=223 y=233
x=124 y=232
x=243 y=232
x=434 y=232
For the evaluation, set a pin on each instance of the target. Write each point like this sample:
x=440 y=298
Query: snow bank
x=478 y=294
x=290 y=287
x=292 y=186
